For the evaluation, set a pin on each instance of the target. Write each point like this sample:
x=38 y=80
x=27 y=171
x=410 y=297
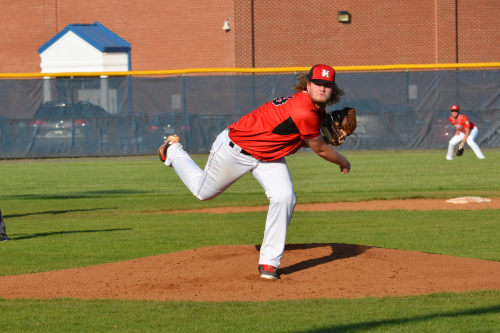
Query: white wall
x=73 y=54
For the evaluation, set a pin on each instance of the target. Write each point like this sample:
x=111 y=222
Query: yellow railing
x=255 y=70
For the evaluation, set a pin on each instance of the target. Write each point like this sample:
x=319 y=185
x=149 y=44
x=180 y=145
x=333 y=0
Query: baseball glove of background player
x=337 y=120
x=459 y=149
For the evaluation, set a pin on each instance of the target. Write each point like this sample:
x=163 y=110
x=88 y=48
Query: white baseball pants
x=226 y=165
x=471 y=141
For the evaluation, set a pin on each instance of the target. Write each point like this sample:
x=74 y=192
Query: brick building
x=188 y=33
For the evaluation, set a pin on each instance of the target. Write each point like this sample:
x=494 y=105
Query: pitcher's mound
x=229 y=273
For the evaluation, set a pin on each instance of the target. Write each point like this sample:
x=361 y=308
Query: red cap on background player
x=322 y=74
x=454 y=108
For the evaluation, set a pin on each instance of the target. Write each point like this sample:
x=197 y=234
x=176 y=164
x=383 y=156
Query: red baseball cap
x=454 y=108
x=322 y=74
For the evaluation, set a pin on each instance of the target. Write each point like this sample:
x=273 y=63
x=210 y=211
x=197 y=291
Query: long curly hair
x=303 y=81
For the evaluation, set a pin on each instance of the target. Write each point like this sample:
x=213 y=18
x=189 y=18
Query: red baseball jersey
x=461 y=123
x=278 y=128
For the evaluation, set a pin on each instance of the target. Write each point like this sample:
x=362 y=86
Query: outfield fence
x=130 y=113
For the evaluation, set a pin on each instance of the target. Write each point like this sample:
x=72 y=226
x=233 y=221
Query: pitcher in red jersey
x=258 y=143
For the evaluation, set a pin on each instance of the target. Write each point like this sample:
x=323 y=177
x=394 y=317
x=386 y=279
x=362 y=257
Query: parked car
x=369 y=126
x=441 y=130
x=370 y=121
x=140 y=133
x=67 y=128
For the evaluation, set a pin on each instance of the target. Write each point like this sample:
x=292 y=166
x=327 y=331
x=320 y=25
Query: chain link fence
x=120 y=116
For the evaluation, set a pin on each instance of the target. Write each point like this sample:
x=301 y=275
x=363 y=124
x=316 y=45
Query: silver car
x=65 y=128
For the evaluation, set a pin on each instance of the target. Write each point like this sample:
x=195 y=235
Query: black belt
x=231 y=144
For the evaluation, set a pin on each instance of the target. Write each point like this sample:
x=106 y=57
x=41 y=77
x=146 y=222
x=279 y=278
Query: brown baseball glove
x=336 y=121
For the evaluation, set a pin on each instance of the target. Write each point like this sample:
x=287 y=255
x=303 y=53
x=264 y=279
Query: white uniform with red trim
x=461 y=123
x=257 y=143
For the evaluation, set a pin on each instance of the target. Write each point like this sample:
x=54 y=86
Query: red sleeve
x=308 y=123
x=467 y=123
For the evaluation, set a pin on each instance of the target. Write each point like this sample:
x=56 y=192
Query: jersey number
x=281 y=100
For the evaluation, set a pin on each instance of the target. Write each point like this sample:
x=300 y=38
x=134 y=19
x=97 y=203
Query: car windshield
x=77 y=110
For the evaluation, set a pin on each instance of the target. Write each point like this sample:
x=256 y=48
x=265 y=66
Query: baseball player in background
x=465 y=132
x=258 y=143
x=3 y=234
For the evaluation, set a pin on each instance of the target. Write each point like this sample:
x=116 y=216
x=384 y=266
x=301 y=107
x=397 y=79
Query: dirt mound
x=229 y=273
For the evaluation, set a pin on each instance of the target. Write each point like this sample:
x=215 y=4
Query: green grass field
x=79 y=212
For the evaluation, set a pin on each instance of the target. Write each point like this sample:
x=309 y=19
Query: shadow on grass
x=339 y=251
x=45 y=234
x=383 y=324
x=56 y=212
x=76 y=195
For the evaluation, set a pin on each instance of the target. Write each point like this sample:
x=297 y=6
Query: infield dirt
x=229 y=273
